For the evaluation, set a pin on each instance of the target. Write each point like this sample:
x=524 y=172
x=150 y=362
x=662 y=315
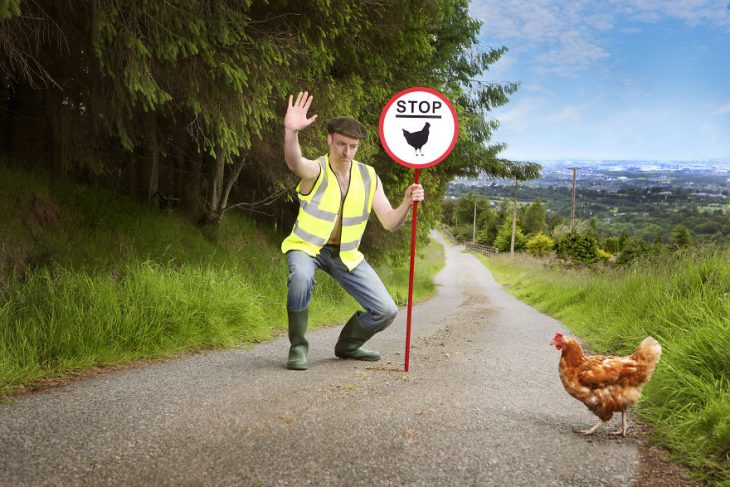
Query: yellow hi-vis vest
x=318 y=212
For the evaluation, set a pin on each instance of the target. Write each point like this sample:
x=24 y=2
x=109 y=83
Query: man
x=336 y=194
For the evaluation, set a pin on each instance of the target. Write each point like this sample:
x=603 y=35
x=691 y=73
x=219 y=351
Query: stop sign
x=418 y=127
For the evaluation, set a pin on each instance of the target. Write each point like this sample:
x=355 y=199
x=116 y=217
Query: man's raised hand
x=296 y=114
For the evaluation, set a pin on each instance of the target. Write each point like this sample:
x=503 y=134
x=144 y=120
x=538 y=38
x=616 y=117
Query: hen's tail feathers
x=648 y=352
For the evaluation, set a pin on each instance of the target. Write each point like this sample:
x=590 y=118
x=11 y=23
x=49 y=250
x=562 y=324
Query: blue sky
x=613 y=79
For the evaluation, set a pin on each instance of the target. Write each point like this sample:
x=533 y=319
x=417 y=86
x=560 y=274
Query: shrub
x=462 y=232
x=540 y=245
x=681 y=238
x=611 y=245
x=504 y=238
x=633 y=250
x=604 y=256
x=483 y=237
x=578 y=247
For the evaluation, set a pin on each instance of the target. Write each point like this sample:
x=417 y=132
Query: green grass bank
x=90 y=278
x=681 y=300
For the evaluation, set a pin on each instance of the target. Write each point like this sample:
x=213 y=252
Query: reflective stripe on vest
x=312 y=206
x=308 y=237
x=318 y=213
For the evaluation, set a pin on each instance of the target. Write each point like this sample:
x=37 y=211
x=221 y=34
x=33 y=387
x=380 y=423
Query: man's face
x=342 y=147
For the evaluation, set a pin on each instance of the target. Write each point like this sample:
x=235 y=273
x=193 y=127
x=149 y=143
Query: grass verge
x=89 y=278
x=684 y=302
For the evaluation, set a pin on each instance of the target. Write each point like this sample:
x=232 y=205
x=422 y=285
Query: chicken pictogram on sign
x=418 y=127
x=417 y=139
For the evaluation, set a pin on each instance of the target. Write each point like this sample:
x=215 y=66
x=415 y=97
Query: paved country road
x=481 y=405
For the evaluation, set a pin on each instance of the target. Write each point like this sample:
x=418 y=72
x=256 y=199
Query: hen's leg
x=624 y=426
x=591 y=430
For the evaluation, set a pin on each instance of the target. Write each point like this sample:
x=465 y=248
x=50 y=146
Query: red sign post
x=418 y=129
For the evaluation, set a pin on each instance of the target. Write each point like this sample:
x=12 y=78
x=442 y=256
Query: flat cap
x=347 y=126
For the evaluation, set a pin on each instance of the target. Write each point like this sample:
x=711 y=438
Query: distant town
x=710 y=177
x=640 y=198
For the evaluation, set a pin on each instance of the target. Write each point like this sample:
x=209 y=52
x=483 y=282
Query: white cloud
x=600 y=104
x=564 y=32
x=538 y=21
x=573 y=53
x=568 y=32
x=567 y=114
x=519 y=118
x=638 y=133
x=722 y=110
x=692 y=12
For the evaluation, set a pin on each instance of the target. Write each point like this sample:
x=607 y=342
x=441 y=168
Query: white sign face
x=418 y=127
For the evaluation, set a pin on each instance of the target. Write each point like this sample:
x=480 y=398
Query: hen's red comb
x=558 y=335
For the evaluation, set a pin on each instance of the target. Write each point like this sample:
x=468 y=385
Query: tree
x=623 y=239
x=533 y=219
x=519 y=171
x=483 y=238
x=183 y=100
x=489 y=223
x=681 y=238
x=510 y=237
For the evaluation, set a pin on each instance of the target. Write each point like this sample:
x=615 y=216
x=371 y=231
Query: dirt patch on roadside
x=656 y=468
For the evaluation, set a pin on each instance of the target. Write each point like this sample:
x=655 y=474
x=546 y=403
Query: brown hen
x=606 y=384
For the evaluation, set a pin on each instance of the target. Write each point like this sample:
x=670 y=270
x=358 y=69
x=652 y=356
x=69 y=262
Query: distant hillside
x=640 y=201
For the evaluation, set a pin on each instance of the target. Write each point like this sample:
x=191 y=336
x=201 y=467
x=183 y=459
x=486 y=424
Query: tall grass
x=105 y=280
x=684 y=302
x=66 y=320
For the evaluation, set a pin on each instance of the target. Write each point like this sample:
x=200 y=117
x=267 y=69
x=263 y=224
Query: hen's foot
x=624 y=427
x=589 y=431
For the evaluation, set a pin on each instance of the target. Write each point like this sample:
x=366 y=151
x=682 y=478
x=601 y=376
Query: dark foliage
x=181 y=103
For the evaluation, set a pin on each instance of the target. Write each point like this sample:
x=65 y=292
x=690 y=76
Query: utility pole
x=572 y=206
x=474 y=225
x=514 y=222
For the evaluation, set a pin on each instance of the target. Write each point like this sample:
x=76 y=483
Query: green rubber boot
x=351 y=337
x=299 y=345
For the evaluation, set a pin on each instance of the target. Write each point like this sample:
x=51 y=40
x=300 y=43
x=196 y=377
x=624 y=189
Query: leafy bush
x=681 y=238
x=462 y=232
x=504 y=238
x=483 y=237
x=578 y=247
x=540 y=245
x=604 y=256
x=633 y=250
x=611 y=245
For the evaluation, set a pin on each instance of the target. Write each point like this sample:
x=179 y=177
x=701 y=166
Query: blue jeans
x=362 y=283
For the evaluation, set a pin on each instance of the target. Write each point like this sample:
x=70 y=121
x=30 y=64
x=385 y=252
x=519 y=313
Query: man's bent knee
x=384 y=315
x=300 y=282
x=301 y=286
